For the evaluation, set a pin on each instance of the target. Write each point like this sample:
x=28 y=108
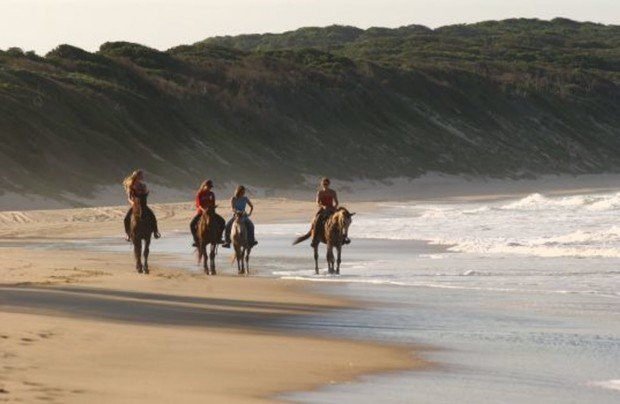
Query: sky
x=41 y=25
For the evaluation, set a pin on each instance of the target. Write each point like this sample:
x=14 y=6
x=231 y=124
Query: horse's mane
x=339 y=216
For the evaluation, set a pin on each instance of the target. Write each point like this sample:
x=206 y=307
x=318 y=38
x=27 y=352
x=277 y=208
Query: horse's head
x=211 y=210
x=238 y=216
x=344 y=218
x=139 y=205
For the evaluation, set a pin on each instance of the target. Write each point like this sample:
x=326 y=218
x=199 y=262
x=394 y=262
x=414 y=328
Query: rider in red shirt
x=327 y=199
x=205 y=200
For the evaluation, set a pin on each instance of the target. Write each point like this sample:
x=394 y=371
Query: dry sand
x=81 y=326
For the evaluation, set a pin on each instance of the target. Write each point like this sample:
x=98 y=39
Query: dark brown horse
x=333 y=233
x=141 y=228
x=209 y=232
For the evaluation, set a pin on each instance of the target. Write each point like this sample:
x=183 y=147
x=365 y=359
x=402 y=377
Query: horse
x=209 y=232
x=141 y=227
x=241 y=243
x=333 y=233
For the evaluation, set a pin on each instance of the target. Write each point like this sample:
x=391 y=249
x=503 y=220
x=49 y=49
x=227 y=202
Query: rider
x=205 y=199
x=238 y=203
x=327 y=199
x=136 y=188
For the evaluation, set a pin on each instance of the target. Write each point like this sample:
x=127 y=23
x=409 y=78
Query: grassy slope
x=502 y=98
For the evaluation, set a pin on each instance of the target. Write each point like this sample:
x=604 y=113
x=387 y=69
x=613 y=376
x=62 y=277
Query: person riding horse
x=205 y=200
x=238 y=203
x=137 y=191
x=327 y=199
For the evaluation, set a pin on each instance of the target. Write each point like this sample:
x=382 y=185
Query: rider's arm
x=251 y=207
x=130 y=196
x=198 y=205
x=318 y=199
x=336 y=203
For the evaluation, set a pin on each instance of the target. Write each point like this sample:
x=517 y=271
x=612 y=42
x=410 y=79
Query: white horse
x=241 y=243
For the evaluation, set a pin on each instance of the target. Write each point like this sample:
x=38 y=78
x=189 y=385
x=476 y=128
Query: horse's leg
x=205 y=257
x=244 y=252
x=339 y=254
x=137 y=252
x=238 y=258
x=212 y=259
x=330 y=258
x=147 y=243
x=242 y=258
x=247 y=260
x=316 y=258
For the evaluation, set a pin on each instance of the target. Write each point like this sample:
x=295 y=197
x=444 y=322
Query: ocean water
x=519 y=299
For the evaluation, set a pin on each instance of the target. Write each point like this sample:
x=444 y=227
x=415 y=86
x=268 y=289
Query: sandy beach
x=82 y=326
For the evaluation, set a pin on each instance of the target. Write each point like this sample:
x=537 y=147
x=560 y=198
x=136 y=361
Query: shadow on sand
x=149 y=308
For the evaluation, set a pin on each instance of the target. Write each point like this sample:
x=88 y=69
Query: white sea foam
x=536 y=243
x=608 y=384
x=570 y=226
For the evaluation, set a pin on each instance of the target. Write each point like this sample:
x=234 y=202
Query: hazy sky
x=40 y=25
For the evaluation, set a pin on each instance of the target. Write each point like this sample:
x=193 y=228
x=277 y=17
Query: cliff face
x=509 y=98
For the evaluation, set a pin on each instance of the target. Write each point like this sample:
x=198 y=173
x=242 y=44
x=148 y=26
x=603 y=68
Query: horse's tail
x=302 y=238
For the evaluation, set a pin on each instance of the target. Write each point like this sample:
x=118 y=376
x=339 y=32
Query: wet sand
x=82 y=326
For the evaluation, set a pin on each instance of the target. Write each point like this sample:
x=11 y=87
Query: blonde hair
x=238 y=191
x=204 y=184
x=130 y=180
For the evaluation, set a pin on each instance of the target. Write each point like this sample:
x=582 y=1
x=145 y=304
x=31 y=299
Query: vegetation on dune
x=502 y=98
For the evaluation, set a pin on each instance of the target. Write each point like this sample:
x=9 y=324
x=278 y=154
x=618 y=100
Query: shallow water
x=521 y=298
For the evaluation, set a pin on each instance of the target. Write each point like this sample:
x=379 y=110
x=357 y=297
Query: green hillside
x=501 y=98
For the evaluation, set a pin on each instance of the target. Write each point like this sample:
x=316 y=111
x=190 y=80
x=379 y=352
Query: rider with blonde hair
x=205 y=200
x=136 y=188
x=238 y=203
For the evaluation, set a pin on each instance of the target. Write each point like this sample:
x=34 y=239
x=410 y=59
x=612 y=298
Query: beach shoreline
x=82 y=325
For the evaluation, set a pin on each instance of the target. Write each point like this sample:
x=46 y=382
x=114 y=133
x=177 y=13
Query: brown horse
x=241 y=243
x=209 y=232
x=141 y=227
x=333 y=233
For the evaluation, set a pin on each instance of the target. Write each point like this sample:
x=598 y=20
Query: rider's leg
x=228 y=230
x=193 y=226
x=127 y=222
x=251 y=236
x=318 y=227
x=155 y=229
x=222 y=224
